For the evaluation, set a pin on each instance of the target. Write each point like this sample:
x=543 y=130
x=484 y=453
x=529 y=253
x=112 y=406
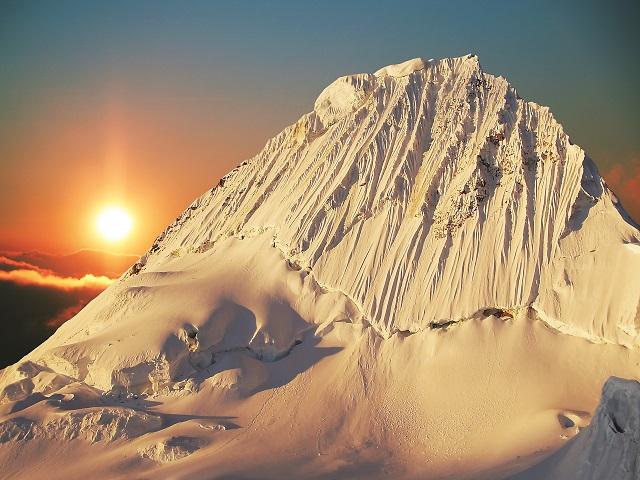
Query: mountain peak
x=404 y=68
x=435 y=167
x=415 y=64
x=347 y=93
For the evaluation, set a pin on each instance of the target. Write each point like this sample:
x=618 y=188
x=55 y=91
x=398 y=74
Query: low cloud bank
x=39 y=292
x=8 y=264
x=34 y=277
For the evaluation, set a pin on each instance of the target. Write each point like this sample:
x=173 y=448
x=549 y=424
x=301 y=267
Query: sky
x=146 y=104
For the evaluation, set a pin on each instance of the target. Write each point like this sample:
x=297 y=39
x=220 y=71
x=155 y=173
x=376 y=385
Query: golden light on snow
x=114 y=223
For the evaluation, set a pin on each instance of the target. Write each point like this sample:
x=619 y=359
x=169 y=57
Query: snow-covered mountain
x=422 y=278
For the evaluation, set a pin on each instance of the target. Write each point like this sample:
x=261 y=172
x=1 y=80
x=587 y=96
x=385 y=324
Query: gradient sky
x=147 y=103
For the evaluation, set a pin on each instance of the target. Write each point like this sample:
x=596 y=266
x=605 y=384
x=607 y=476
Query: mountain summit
x=423 y=277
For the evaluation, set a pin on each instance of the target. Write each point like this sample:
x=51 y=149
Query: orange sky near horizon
x=121 y=153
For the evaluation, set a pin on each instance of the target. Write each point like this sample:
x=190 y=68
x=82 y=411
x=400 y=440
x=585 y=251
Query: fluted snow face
x=429 y=191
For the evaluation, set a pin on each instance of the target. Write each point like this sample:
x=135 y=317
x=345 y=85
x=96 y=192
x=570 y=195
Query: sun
x=114 y=224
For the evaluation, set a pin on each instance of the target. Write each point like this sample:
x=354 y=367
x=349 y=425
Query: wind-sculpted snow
x=421 y=278
x=430 y=191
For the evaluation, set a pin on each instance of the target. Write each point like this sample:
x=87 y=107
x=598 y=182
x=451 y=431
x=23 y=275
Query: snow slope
x=423 y=277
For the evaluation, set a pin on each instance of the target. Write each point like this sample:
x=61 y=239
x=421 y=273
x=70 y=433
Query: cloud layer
x=39 y=292
x=35 y=277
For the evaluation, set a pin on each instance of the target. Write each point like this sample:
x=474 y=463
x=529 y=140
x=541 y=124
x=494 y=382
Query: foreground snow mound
x=91 y=425
x=609 y=448
x=421 y=278
x=170 y=450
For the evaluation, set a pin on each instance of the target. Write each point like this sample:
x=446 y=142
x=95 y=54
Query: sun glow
x=114 y=223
